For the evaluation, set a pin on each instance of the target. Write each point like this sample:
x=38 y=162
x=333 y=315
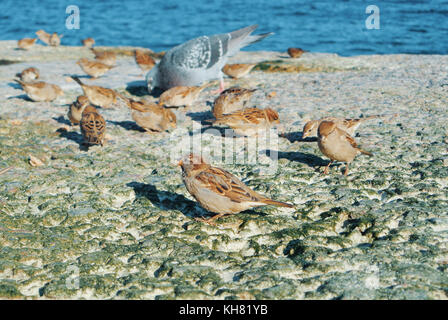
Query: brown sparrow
x=92 y=126
x=337 y=144
x=88 y=42
x=219 y=191
x=231 y=100
x=144 y=61
x=295 y=52
x=250 y=121
x=43 y=36
x=55 y=40
x=106 y=57
x=181 y=96
x=29 y=74
x=348 y=125
x=99 y=96
x=151 y=116
x=94 y=69
x=41 y=91
x=238 y=70
x=26 y=43
x=76 y=108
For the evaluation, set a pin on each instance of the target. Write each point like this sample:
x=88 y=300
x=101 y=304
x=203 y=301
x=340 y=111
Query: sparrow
x=88 y=42
x=92 y=126
x=94 y=69
x=219 y=191
x=106 y=57
x=348 y=125
x=337 y=144
x=26 y=43
x=76 y=108
x=238 y=70
x=151 y=116
x=99 y=96
x=295 y=52
x=29 y=74
x=181 y=96
x=41 y=91
x=55 y=40
x=231 y=100
x=250 y=121
x=43 y=36
x=144 y=61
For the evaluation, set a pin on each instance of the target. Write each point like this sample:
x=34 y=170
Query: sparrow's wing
x=224 y=183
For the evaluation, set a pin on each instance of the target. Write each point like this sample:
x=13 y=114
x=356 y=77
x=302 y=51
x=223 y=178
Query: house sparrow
x=106 y=57
x=26 y=43
x=88 y=42
x=29 y=74
x=231 y=100
x=295 y=52
x=76 y=108
x=55 y=40
x=94 y=69
x=219 y=191
x=41 y=91
x=337 y=144
x=250 y=121
x=238 y=70
x=348 y=125
x=181 y=96
x=99 y=96
x=144 y=61
x=151 y=116
x=92 y=126
x=43 y=36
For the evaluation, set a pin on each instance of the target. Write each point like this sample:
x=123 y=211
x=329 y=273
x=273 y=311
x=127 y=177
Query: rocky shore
x=117 y=222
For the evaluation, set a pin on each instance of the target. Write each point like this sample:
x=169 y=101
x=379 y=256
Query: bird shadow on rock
x=21 y=96
x=167 y=200
x=62 y=120
x=137 y=88
x=201 y=116
x=128 y=125
x=309 y=159
x=297 y=136
x=80 y=76
x=74 y=136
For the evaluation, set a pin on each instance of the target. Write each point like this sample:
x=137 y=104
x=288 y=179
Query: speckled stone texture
x=117 y=222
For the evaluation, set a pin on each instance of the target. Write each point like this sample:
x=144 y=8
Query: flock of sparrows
x=215 y=189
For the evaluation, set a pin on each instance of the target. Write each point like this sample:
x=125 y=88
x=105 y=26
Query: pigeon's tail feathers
x=242 y=38
x=255 y=38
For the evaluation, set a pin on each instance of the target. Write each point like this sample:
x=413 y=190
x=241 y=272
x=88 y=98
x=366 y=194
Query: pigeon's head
x=151 y=78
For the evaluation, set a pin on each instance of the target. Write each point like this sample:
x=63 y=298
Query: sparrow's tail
x=278 y=203
x=77 y=80
x=365 y=152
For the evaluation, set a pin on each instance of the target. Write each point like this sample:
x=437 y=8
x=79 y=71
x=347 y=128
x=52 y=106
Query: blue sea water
x=319 y=26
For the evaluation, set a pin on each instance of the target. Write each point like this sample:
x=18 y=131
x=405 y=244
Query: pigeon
x=200 y=59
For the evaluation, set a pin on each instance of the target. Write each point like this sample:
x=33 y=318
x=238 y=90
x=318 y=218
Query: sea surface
x=419 y=27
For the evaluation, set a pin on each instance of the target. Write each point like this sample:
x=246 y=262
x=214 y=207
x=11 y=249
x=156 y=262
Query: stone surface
x=117 y=222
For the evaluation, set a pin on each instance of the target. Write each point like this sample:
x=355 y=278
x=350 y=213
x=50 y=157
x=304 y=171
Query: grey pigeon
x=200 y=59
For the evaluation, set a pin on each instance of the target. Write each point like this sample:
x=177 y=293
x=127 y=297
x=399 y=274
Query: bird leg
x=211 y=220
x=221 y=87
x=346 y=169
x=327 y=167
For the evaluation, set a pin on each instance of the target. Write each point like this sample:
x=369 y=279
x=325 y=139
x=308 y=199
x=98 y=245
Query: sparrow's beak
x=304 y=135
